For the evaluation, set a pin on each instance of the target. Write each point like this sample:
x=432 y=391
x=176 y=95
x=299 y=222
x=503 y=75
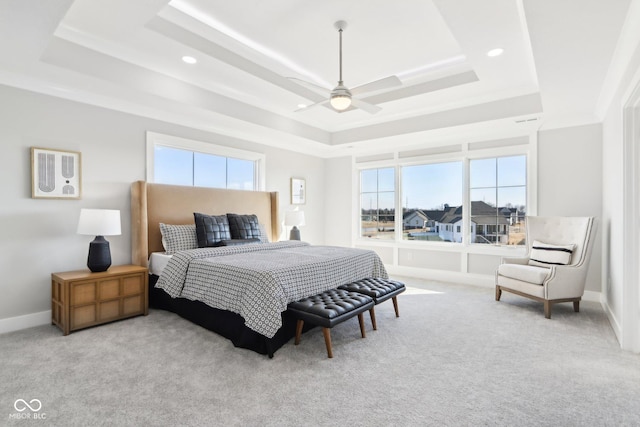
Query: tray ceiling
x=127 y=55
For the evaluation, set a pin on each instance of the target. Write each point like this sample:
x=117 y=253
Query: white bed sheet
x=157 y=262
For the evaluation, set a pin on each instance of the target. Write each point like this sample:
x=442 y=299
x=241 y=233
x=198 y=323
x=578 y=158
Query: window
x=185 y=167
x=474 y=196
x=433 y=193
x=377 y=203
x=172 y=160
x=498 y=194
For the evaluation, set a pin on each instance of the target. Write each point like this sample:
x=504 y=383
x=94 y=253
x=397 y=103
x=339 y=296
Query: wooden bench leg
x=498 y=293
x=361 y=320
x=395 y=306
x=327 y=341
x=576 y=306
x=298 y=331
x=372 y=314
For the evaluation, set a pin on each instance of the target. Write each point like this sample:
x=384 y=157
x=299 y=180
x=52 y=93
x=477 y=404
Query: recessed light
x=495 y=52
x=302 y=105
x=189 y=59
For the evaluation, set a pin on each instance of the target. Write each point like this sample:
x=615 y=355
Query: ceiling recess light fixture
x=495 y=52
x=189 y=59
x=302 y=105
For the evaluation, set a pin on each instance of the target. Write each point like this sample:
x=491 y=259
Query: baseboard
x=17 y=323
x=484 y=280
x=592 y=296
x=613 y=321
x=44 y=317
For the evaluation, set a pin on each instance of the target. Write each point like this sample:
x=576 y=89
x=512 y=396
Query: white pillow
x=545 y=254
x=178 y=237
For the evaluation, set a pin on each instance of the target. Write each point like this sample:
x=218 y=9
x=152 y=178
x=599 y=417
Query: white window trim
x=154 y=139
x=465 y=155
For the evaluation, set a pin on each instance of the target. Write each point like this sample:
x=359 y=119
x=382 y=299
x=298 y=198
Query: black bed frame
x=228 y=324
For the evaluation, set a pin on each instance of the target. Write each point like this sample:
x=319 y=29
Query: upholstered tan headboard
x=152 y=204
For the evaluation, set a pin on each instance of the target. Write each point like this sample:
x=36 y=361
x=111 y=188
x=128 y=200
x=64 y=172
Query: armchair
x=555 y=269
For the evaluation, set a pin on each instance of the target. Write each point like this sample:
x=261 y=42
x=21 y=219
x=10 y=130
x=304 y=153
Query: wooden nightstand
x=80 y=299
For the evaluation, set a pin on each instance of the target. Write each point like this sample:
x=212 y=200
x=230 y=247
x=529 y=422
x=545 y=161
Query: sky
x=498 y=181
x=184 y=167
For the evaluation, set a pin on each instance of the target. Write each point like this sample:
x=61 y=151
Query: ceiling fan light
x=340 y=102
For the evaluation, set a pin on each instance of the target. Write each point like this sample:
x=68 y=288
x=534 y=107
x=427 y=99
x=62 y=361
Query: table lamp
x=99 y=223
x=295 y=219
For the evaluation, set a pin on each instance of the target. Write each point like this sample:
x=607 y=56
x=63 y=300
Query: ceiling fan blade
x=386 y=83
x=369 y=108
x=325 y=102
x=312 y=86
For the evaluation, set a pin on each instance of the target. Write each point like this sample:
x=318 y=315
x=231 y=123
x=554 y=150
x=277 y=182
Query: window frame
x=464 y=154
x=418 y=161
x=490 y=228
x=157 y=139
x=377 y=192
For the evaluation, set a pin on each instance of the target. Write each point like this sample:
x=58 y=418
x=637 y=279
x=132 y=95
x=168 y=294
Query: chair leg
x=298 y=331
x=576 y=306
x=395 y=305
x=327 y=341
x=547 y=309
x=498 y=293
x=361 y=321
x=372 y=314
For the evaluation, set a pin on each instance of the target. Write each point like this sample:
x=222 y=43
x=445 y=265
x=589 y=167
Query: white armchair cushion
x=525 y=273
x=545 y=254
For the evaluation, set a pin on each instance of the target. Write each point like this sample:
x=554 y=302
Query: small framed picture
x=298 y=191
x=55 y=174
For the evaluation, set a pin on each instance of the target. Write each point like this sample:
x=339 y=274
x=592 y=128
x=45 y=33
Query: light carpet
x=454 y=357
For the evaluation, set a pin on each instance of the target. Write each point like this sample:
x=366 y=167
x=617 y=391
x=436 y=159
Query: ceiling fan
x=341 y=97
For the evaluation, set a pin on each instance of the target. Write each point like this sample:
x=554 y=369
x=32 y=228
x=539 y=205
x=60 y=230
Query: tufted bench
x=379 y=289
x=329 y=309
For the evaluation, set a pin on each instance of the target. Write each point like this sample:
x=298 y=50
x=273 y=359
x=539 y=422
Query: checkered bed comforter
x=257 y=281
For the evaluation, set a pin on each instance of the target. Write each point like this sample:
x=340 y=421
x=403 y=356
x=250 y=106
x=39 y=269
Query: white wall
x=39 y=236
x=613 y=196
x=570 y=181
x=338 y=201
x=612 y=230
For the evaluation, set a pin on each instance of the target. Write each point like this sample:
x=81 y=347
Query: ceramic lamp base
x=295 y=233
x=99 y=258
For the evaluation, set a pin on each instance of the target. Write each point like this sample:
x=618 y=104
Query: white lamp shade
x=293 y=218
x=99 y=222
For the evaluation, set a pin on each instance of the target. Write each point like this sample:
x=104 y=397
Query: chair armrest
x=565 y=281
x=521 y=261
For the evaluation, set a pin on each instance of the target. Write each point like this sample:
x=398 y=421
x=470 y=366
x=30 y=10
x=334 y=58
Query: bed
x=239 y=291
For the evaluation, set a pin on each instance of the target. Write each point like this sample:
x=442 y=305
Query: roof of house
x=416 y=212
x=489 y=219
x=481 y=213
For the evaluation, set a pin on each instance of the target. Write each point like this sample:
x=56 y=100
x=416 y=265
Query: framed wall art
x=298 y=191
x=55 y=174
